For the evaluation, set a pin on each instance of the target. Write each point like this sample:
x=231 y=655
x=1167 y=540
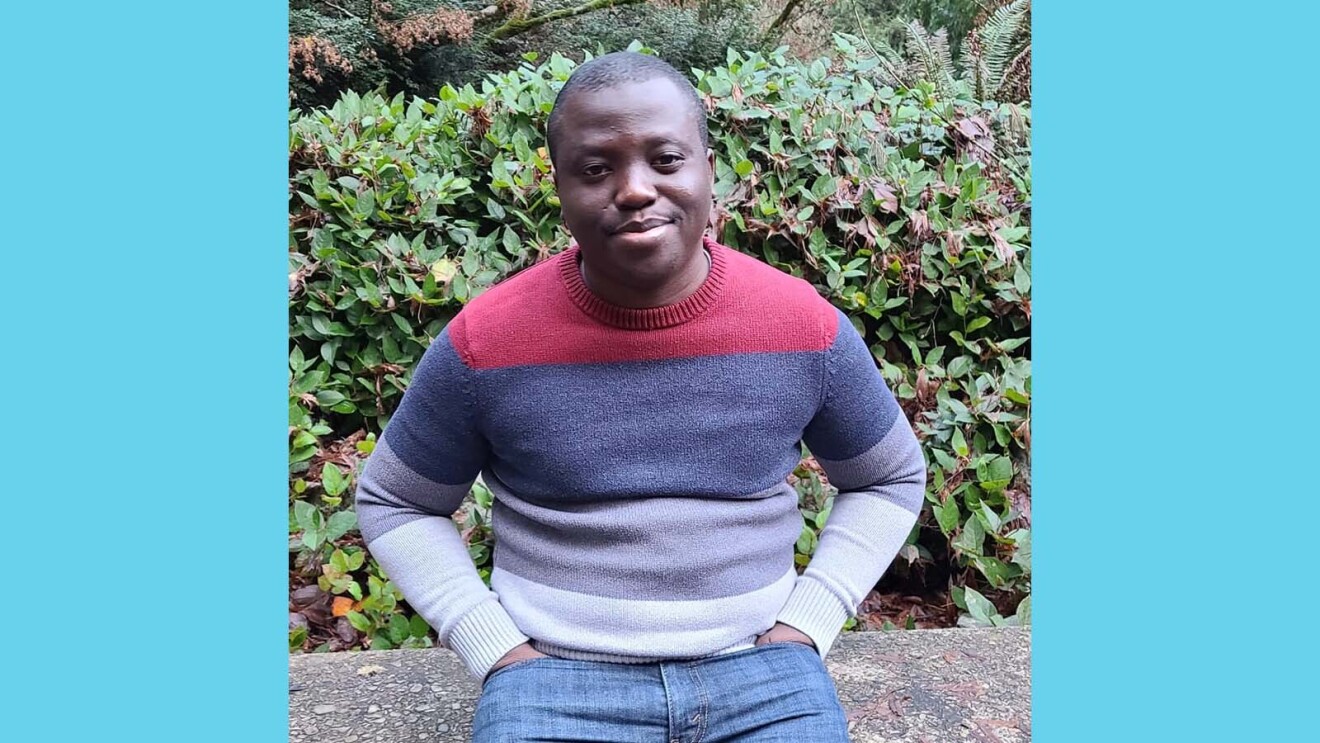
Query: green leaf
x=460 y=287
x=960 y=443
x=743 y=168
x=390 y=348
x=995 y=474
x=1024 y=612
x=824 y=186
x=1013 y=234
x=998 y=573
x=959 y=366
x=329 y=349
x=418 y=627
x=1021 y=280
x=806 y=543
x=354 y=560
x=366 y=204
x=972 y=537
x=401 y=323
x=512 y=244
x=959 y=303
x=879 y=292
x=329 y=398
x=399 y=628
x=989 y=517
x=313 y=538
x=332 y=480
x=1022 y=549
x=304 y=514
x=947 y=515
x=308 y=382
x=979 y=606
x=1012 y=343
x=978 y=323
x=359 y=621
x=339 y=561
x=339 y=524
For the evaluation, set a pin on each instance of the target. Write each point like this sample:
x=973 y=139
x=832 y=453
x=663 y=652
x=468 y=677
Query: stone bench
x=924 y=686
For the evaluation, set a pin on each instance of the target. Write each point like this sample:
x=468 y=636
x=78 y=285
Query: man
x=635 y=404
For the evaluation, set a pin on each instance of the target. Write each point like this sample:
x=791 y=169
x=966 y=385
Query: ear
x=710 y=163
x=554 y=179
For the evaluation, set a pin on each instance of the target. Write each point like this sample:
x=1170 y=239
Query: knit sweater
x=638 y=461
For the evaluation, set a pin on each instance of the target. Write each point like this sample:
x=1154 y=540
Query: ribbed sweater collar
x=651 y=318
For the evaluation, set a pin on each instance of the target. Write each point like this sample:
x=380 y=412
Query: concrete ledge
x=923 y=686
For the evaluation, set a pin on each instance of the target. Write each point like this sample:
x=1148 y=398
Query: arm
x=866 y=447
x=422 y=467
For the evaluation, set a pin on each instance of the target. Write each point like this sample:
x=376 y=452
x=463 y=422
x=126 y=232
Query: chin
x=645 y=262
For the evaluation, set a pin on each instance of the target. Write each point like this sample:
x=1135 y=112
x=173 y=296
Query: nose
x=635 y=189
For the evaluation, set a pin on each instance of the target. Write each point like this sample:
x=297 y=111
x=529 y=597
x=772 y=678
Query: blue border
x=146 y=435
x=1174 y=375
x=145 y=305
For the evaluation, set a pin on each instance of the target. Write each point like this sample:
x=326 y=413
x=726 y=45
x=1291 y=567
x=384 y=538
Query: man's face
x=634 y=180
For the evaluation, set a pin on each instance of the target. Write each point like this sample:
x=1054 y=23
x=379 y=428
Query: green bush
x=908 y=212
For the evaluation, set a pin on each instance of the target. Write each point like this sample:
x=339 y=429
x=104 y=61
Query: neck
x=683 y=285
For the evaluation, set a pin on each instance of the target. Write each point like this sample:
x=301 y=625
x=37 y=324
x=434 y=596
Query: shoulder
x=494 y=319
x=767 y=296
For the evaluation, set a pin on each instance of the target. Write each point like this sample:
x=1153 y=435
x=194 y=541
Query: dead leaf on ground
x=342 y=606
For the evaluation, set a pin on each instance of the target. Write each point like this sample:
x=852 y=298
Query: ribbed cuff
x=483 y=636
x=814 y=611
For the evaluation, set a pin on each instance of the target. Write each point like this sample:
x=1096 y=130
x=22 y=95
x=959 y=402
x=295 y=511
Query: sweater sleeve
x=866 y=447
x=413 y=482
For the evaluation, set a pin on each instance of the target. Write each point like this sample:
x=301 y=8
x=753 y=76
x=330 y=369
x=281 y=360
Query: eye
x=669 y=160
x=594 y=170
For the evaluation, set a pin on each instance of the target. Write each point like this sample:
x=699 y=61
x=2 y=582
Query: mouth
x=642 y=227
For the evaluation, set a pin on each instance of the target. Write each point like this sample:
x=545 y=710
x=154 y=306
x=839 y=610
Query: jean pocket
x=792 y=644
x=510 y=667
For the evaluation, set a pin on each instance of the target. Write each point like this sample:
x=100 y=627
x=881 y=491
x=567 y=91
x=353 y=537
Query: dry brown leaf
x=342 y=606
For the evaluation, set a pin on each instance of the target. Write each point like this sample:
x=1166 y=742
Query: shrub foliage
x=909 y=211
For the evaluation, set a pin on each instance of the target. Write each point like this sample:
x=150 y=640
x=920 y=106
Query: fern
x=1000 y=38
x=934 y=63
x=994 y=63
x=893 y=66
x=1016 y=85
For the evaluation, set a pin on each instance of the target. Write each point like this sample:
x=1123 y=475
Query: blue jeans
x=775 y=692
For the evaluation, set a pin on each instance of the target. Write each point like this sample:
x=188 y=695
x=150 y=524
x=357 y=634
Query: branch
x=341 y=9
x=514 y=26
x=789 y=7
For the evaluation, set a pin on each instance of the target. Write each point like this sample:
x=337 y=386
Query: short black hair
x=618 y=68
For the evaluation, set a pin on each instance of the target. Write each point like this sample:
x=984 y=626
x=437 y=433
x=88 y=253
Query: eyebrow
x=604 y=147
